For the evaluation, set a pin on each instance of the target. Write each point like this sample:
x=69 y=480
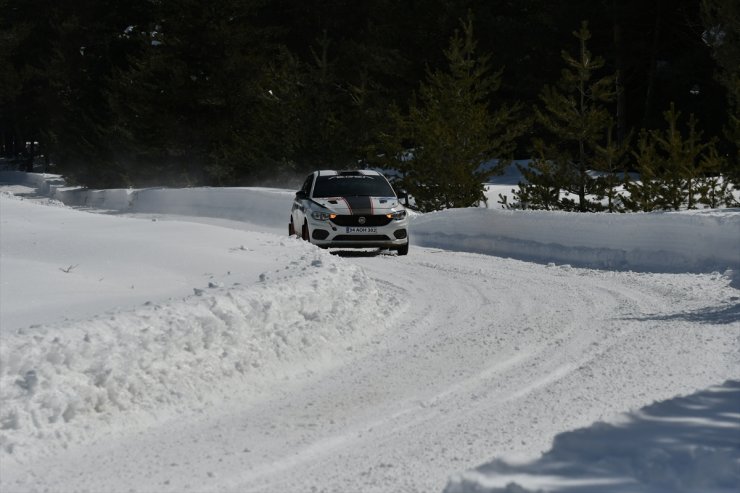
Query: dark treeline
x=236 y=92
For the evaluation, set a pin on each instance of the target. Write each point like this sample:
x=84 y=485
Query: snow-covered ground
x=178 y=340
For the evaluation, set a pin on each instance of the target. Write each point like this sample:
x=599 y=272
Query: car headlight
x=323 y=216
x=397 y=216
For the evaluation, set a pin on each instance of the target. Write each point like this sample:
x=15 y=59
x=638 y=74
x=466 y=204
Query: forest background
x=229 y=92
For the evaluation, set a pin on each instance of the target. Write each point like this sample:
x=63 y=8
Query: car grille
x=376 y=220
x=361 y=238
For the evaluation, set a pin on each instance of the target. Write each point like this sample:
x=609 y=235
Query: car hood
x=360 y=205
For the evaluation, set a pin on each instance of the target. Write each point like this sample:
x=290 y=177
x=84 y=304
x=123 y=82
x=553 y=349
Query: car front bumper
x=327 y=234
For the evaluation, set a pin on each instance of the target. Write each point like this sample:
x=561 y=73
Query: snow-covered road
x=421 y=366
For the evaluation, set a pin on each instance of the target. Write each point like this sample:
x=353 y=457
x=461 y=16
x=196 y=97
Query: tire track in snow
x=419 y=408
x=490 y=356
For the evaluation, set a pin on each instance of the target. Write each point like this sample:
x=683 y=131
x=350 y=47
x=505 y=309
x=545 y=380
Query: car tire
x=403 y=250
x=291 y=228
x=304 y=231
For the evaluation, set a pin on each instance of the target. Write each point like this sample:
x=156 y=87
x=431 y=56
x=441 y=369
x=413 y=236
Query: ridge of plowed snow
x=163 y=359
x=686 y=241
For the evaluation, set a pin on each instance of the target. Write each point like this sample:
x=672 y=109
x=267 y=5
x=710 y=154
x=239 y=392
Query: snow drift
x=133 y=367
x=692 y=241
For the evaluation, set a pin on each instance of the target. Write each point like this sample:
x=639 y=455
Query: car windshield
x=352 y=185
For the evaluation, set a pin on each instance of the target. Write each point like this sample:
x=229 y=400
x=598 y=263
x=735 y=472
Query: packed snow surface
x=178 y=340
x=679 y=445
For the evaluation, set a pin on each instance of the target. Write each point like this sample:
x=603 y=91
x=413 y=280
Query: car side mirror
x=300 y=195
x=402 y=194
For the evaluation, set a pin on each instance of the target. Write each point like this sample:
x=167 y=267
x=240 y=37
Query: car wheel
x=291 y=228
x=403 y=250
x=304 y=231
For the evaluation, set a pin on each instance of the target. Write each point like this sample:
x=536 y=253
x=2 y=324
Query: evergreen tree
x=309 y=118
x=453 y=132
x=62 y=57
x=574 y=115
x=324 y=122
x=11 y=85
x=722 y=34
x=714 y=190
x=276 y=135
x=680 y=155
x=610 y=160
x=644 y=195
x=184 y=107
x=543 y=177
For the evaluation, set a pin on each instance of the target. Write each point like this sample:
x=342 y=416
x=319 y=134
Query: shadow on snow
x=683 y=444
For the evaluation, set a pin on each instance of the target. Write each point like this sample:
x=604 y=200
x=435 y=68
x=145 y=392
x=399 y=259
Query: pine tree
x=680 y=156
x=11 y=84
x=714 y=190
x=453 y=132
x=185 y=105
x=722 y=34
x=276 y=135
x=327 y=137
x=644 y=195
x=611 y=161
x=542 y=181
x=63 y=57
x=573 y=113
x=722 y=22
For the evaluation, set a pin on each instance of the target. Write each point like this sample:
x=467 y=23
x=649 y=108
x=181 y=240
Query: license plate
x=361 y=230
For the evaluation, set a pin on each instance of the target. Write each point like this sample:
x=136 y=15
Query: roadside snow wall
x=64 y=383
x=260 y=206
x=692 y=241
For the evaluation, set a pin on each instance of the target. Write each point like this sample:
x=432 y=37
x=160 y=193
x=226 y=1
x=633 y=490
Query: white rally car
x=349 y=209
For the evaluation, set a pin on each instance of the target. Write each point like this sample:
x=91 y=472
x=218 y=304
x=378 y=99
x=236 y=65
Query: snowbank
x=260 y=206
x=686 y=444
x=62 y=263
x=694 y=241
x=59 y=383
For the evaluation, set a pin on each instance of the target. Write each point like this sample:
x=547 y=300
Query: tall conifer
x=543 y=179
x=611 y=161
x=644 y=195
x=575 y=116
x=722 y=22
x=453 y=131
x=680 y=160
